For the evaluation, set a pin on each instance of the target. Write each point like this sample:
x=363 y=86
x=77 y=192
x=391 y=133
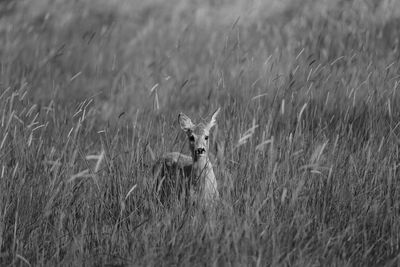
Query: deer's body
x=178 y=173
x=172 y=172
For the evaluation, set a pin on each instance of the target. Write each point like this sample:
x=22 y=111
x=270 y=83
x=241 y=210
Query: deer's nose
x=200 y=151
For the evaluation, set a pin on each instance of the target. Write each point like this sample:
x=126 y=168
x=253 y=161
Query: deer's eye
x=206 y=137
x=191 y=138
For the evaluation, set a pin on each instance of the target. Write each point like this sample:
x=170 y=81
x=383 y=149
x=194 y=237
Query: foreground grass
x=308 y=171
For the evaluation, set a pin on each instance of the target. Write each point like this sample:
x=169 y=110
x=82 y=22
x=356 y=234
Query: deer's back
x=172 y=173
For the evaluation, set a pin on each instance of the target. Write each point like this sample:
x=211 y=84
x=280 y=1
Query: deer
x=193 y=176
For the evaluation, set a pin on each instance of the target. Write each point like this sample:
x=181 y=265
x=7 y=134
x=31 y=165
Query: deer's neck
x=201 y=166
x=204 y=174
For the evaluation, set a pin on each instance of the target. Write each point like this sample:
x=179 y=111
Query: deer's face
x=198 y=135
x=198 y=141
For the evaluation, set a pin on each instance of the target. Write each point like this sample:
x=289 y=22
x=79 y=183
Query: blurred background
x=178 y=54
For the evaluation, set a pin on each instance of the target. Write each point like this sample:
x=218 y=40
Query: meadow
x=307 y=138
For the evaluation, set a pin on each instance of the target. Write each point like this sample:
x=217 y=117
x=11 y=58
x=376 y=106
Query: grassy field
x=308 y=133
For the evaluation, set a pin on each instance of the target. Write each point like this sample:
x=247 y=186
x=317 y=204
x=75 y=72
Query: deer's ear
x=185 y=122
x=213 y=120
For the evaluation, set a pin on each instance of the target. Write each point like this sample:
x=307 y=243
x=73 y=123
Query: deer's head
x=198 y=135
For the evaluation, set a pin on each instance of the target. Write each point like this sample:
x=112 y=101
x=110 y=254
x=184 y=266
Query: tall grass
x=307 y=136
